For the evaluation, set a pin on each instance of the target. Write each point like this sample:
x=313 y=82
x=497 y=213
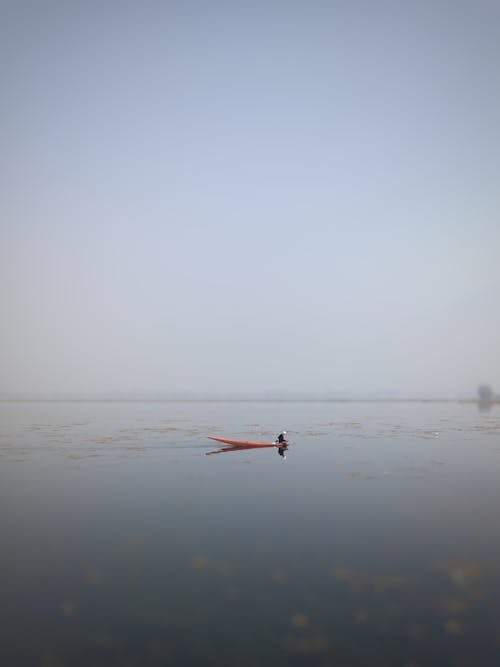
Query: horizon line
x=230 y=397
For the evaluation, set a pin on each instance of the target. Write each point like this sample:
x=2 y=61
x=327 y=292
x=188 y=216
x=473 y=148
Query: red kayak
x=247 y=443
x=239 y=445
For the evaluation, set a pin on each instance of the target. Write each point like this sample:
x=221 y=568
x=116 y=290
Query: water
x=124 y=544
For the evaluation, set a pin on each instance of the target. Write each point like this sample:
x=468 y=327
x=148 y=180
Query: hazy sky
x=250 y=196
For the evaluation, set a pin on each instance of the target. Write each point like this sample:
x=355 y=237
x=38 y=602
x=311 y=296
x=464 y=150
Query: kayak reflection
x=238 y=448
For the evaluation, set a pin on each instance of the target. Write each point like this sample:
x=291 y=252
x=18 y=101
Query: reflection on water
x=377 y=542
x=485 y=406
x=282 y=449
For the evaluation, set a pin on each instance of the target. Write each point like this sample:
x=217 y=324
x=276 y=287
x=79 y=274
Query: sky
x=250 y=197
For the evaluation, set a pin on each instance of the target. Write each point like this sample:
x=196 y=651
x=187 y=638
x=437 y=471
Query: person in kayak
x=281 y=438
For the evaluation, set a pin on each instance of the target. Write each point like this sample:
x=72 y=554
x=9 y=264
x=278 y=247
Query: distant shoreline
x=228 y=399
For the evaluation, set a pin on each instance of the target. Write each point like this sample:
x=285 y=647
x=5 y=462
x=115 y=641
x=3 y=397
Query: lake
x=375 y=541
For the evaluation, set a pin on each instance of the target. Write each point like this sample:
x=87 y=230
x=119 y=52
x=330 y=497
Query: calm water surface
x=377 y=539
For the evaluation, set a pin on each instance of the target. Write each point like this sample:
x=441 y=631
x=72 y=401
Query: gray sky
x=250 y=196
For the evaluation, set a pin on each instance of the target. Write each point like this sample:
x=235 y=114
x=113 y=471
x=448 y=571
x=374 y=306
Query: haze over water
x=374 y=541
x=273 y=199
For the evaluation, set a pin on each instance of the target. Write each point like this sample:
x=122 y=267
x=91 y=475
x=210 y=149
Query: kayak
x=239 y=445
x=247 y=443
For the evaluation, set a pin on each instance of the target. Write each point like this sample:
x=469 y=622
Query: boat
x=238 y=445
x=247 y=443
